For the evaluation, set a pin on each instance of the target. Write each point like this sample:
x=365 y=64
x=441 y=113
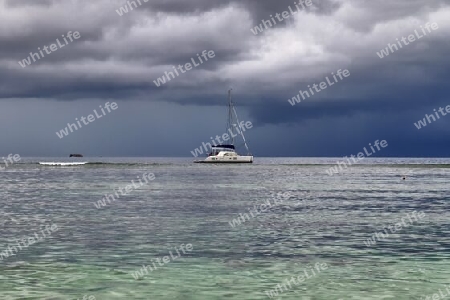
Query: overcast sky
x=117 y=58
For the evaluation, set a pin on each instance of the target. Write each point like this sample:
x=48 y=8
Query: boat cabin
x=215 y=150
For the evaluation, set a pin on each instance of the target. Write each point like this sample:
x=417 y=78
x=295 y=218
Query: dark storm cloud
x=144 y=38
x=119 y=57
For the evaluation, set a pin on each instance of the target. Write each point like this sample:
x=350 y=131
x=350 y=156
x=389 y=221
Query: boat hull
x=226 y=160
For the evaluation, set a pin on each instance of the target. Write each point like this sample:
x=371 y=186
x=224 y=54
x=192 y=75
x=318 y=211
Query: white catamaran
x=227 y=153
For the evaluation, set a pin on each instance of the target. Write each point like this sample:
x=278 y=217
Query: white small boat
x=227 y=153
x=62 y=163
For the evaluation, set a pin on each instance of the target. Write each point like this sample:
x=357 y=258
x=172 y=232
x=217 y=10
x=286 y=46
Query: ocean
x=281 y=228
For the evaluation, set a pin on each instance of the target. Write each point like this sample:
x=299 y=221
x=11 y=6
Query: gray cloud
x=118 y=57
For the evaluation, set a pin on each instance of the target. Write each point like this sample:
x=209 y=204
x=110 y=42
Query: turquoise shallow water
x=326 y=219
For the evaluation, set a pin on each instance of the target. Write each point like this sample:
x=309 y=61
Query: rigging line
x=242 y=134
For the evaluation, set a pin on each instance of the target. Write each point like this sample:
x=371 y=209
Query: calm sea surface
x=325 y=219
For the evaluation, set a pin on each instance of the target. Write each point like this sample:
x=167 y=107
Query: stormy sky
x=118 y=58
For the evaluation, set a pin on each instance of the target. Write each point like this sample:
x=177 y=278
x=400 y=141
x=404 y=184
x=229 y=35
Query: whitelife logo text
x=53 y=47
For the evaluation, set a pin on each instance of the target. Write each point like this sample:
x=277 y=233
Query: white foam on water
x=62 y=163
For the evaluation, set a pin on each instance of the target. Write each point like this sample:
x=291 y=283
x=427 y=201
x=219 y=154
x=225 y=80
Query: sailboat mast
x=230 y=126
x=233 y=122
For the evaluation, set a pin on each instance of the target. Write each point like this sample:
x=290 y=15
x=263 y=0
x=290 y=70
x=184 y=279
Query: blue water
x=325 y=219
